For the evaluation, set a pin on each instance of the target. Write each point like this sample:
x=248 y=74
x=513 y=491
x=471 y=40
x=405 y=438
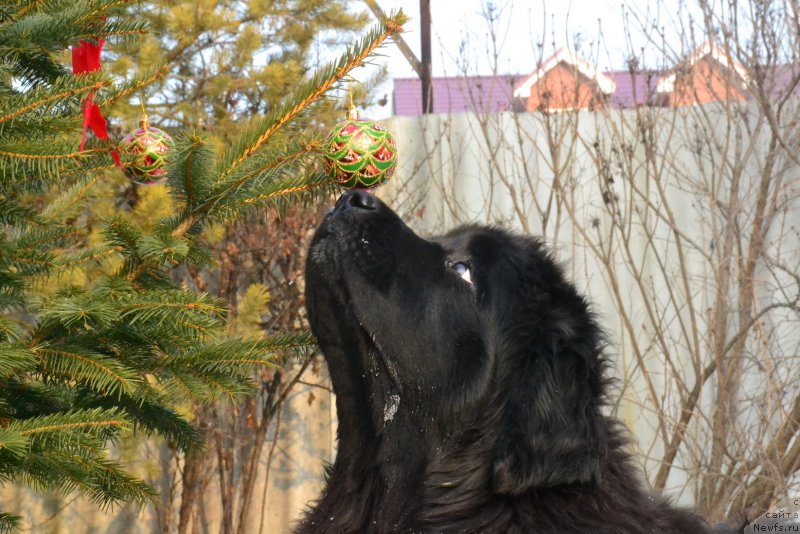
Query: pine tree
x=82 y=365
x=235 y=58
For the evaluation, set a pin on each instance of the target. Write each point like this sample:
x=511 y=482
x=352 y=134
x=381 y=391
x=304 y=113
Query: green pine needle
x=82 y=311
x=187 y=314
x=9 y=522
x=152 y=415
x=75 y=428
x=99 y=372
x=15 y=359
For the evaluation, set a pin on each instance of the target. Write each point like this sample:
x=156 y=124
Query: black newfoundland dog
x=469 y=383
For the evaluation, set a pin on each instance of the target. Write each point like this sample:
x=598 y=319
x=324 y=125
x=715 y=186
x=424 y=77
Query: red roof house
x=567 y=82
x=564 y=82
x=707 y=75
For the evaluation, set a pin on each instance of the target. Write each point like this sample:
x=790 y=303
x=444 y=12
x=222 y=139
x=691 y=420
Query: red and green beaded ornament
x=145 y=152
x=360 y=153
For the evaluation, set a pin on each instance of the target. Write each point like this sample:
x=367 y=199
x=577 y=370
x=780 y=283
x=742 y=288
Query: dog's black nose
x=356 y=199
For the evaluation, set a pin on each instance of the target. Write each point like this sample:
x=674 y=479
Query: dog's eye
x=462 y=270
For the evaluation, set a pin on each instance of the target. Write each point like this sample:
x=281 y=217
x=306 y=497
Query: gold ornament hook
x=144 y=123
x=352 y=113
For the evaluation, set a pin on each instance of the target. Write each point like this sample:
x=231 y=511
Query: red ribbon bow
x=86 y=58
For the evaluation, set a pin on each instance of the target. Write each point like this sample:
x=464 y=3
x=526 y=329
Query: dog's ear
x=552 y=432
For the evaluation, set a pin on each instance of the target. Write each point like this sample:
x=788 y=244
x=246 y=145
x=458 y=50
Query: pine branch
x=12 y=442
x=223 y=367
x=26 y=40
x=24 y=9
x=312 y=91
x=161 y=249
x=64 y=451
x=82 y=257
x=182 y=386
x=99 y=372
x=34 y=398
x=76 y=427
x=152 y=415
x=293 y=153
x=43 y=125
x=15 y=360
x=70 y=201
x=172 y=316
x=189 y=171
x=11 y=329
x=11 y=295
x=9 y=522
x=101 y=8
x=284 y=171
x=134 y=86
x=36 y=239
x=160 y=305
x=235 y=354
x=207 y=386
x=41 y=161
x=44 y=99
x=318 y=181
x=27 y=263
x=120 y=234
x=108 y=483
x=12 y=213
x=84 y=471
x=79 y=311
x=252 y=140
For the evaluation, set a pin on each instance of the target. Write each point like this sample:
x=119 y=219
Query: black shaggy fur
x=465 y=407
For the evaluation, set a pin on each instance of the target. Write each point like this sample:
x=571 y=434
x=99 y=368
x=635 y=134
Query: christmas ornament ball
x=360 y=153
x=145 y=152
